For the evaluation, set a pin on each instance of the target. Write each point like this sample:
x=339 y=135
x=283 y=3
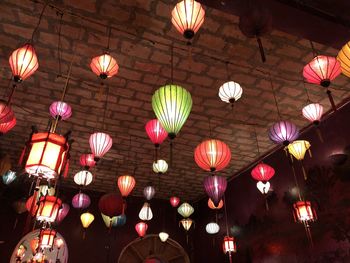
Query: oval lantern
x=262 y=172
x=212 y=228
x=126 y=184
x=211 y=204
x=146 y=213
x=83 y=178
x=149 y=192
x=212 y=155
x=100 y=143
x=185 y=210
x=230 y=92
x=87 y=160
x=62 y=213
x=111 y=204
x=313 y=112
x=104 y=66
x=60 y=110
x=174 y=201
x=81 y=201
x=215 y=187
x=160 y=167
x=141 y=229
x=155 y=132
x=7 y=126
x=283 y=132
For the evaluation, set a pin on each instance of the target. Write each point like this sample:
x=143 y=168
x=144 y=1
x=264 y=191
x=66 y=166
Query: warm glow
x=47 y=237
x=263 y=187
x=163 y=236
x=155 y=132
x=141 y=229
x=59 y=243
x=100 y=143
x=230 y=92
x=7 y=126
x=186 y=223
x=86 y=219
x=211 y=204
x=303 y=212
x=87 y=160
x=344 y=59
x=60 y=110
x=104 y=66
x=83 y=178
x=21 y=250
x=174 y=201
x=146 y=212
x=262 y=172
x=126 y=184
x=298 y=149
x=34 y=244
x=229 y=245
x=212 y=228
x=185 y=210
x=283 y=132
x=160 y=167
x=48 y=208
x=313 y=112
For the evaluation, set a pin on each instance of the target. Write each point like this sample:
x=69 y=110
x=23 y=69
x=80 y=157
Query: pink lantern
x=141 y=229
x=7 y=126
x=87 y=160
x=155 y=132
x=262 y=172
x=62 y=213
x=174 y=201
x=81 y=201
x=60 y=110
x=6 y=113
x=313 y=112
x=100 y=143
x=215 y=187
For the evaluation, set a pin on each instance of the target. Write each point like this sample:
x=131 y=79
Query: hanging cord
x=257 y=141
x=99 y=96
x=314 y=52
x=172 y=64
x=109 y=38
x=226 y=221
x=274 y=97
x=105 y=109
x=39 y=21
x=59 y=55
x=210 y=131
x=307 y=93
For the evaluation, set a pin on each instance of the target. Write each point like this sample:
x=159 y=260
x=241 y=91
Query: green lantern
x=172 y=104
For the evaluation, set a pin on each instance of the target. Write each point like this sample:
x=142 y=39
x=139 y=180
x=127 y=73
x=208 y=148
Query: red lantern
x=104 y=66
x=46 y=238
x=229 y=245
x=126 y=184
x=31 y=205
x=304 y=212
x=174 y=201
x=262 y=172
x=5 y=127
x=23 y=62
x=212 y=155
x=6 y=113
x=48 y=208
x=156 y=132
x=111 y=205
x=100 y=143
x=47 y=155
x=87 y=160
x=211 y=204
x=34 y=244
x=141 y=229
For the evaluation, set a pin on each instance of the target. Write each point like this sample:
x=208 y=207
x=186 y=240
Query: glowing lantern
x=155 y=132
x=62 y=213
x=47 y=155
x=212 y=155
x=8 y=177
x=149 y=192
x=111 y=205
x=114 y=221
x=34 y=244
x=262 y=172
x=160 y=167
x=313 y=112
x=230 y=92
x=172 y=105
x=86 y=219
x=163 y=236
x=186 y=223
x=304 y=212
x=59 y=243
x=48 y=208
x=215 y=187
x=229 y=245
x=344 y=59
x=174 y=201
x=298 y=149
x=23 y=62
x=126 y=184
x=21 y=251
x=87 y=160
x=31 y=205
x=60 y=110
x=283 y=132
x=81 y=201
x=141 y=229
x=212 y=228
x=146 y=212
x=263 y=187
x=187 y=17
x=6 y=113
x=7 y=126
x=104 y=66
x=100 y=143
x=211 y=204
x=46 y=238
x=83 y=178
x=185 y=210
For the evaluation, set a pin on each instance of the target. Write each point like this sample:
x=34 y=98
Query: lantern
x=215 y=187
x=146 y=212
x=48 y=208
x=174 y=201
x=34 y=244
x=263 y=187
x=155 y=132
x=230 y=92
x=229 y=245
x=298 y=149
x=186 y=223
x=62 y=213
x=344 y=59
x=185 y=210
x=6 y=113
x=141 y=229
x=7 y=126
x=163 y=236
x=149 y=192
x=81 y=201
x=46 y=238
x=104 y=66
x=313 y=112
x=60 y=110
x=114 y=221
x=212 y=155
x=47 y=155
x=160 y=167
x=283 y=132
x=111 y=204
x=212 y=228
x=59 y=243
x=87 y=160
x=262 y=172
x=21 y=251
x=100 y=143
x=187 y=17
x=83 y=178
x=23 y=62
x=86 y=219
x=172 y=105
x=304 y=212
x=126 y=184
x=211 y=204
x=31 y=205
x=8 y=177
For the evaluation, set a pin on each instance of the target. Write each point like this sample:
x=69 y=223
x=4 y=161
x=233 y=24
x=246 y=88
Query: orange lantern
x=229 y=245
x=48 y=208
x=304 y=212
x=126 y=184
x=104 y=66
x=47 y=237
x=47 y=155
x=211 y=204
x=34 y=243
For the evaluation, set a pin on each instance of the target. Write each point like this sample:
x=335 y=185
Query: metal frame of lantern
x=48 y=208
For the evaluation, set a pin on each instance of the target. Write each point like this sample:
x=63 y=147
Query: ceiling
x=141 y=40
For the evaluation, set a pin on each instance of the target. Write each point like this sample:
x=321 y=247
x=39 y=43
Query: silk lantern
x=215 y=187
x=304 y=212
x=81 y=201
x=114 y=221
x=141 y=229
x=83 y=178
x=87 y=161
x=263 y=187
x=145 y=213
x=262 y=172
x=211 y=204
x=313 y=112
x=126 y=184
x=100 y=143
x=111 y=205
x=104 y=66
x=185 y=210
x=174 y=201
x=230 y=92
x=7 y=126
x=186 y=223
x=160 y=167
x=212 y=228
x=48 y=208
x=8 y=177
x=155 y=132
x=6 y=113
x=163 y=236
x=298 y=150
x=283 y=132
x=60 y=110
x=149 y=192
x=62 y=213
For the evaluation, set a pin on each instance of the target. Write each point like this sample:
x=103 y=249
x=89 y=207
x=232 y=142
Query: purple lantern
x=215 y=187
x=283 y=132
x=81 y=201
x=149 y=192
x=62 y=213
x=61 y=110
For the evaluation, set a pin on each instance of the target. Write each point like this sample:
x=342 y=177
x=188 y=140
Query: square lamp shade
x=47 y=237
x=48 y=208
x=47 y=155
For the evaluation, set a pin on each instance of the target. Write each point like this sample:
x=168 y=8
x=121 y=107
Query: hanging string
x=314 y=52
x=307 y=93
x=210 y=132
x=257 y=141
x=227 y=232
x=274 y=97
x=59 y=43
x=105 y=109
x=172 y=64
x=39 y=21
x=109 y=38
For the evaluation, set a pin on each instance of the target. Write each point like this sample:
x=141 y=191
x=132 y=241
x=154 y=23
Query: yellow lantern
x=86 y=219
x=298 y=150
x=185 y=209
x=344 y=59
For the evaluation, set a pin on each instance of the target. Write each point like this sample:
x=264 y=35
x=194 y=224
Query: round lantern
x=283 y=132
x=172 y=105
x=298 y=149
x=186 y=223
x=212 y=155
x=211 y=204
x=229 y=245
x=174 y=201
x=81 y=201
x=126 y=184
x=48 y=208
x=230 y=92
x=160 y=167
x=8 y=177
x=149 y=192
x=146 y=212
x=263 y=187
x=215 y=187
x=111 y=204
x=155 y=132
x=185 y=210
x=212 y=228
x=86 y=219
x=83 y=178
x=100 y=143
x=87 y=160
x=60 y=110
x=6 y=113
x=187 y=17
x=141 y=229
x=46 y=238
x=104 y=66
x=262 y=172
x=62 y=213
x=23 y=62
x=313 y=112
x=163 y=236
x=304 y=212
x=7 y=126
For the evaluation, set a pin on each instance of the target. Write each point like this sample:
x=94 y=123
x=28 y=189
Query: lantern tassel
x=66 y=169
x=331 y=100
x=319 y=134
x=261 y=48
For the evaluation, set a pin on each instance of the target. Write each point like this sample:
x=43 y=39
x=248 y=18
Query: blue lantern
x=9 y=177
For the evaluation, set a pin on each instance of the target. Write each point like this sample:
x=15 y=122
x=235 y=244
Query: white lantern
x=212 y=228
x=160 y=167
x=83 y=178
x=263 y=187
x=230 y=92
x=163 y=236
x=146 y=212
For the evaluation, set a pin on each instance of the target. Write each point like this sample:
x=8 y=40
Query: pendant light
x=230 y=91
x=212 y=228
x=263 y=187
x=83 y=178
x=163 y=236
x=81 y=201
x=215 y=187
x=141 y=229
x=262 y=172
x=86 y=220
x=305 y=213
x=126 y=183
x=145 y=213
x=62 y=213
x=60 y=110
x=5 y=127
x=8 y=177
x=156 y=134
x=186 y=223
x=48 y=209
x=47 y=238
x=149 y=192
x=87 y=160
x=313 y=113
x=174 y=201
x=185 y=210
x=100 y=144
x=211 y=204
x=160 y=167
x=298 y=149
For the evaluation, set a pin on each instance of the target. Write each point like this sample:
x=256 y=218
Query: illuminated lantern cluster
x=141 y=229
x=185 y=210
x=83 y=178
x=304 y=212
x=100 y=143
x=104 y=66
x=60 y=110
x=174 y=201
x=230 y=92
x=160 y=167
x=126 y=184
x=48 y=208
x=283 y=132
x=215 y=187
x=87 y=160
